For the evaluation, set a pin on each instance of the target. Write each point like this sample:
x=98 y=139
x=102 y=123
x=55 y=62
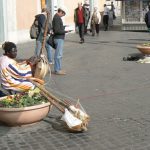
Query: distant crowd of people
x=83 y=17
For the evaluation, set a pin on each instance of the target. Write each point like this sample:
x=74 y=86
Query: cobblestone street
x=115 y=93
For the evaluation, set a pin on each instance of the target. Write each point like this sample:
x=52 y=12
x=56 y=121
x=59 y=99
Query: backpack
x=34 y=31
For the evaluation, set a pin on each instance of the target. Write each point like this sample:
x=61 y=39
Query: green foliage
x=146 y=44
x=23 y=100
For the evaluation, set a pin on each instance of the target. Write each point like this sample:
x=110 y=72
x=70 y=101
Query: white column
x=91 y=5
x=10 y=24
x=2 y=25
x=38 y=6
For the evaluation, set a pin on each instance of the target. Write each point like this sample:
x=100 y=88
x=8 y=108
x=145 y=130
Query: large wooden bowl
x=144 y=49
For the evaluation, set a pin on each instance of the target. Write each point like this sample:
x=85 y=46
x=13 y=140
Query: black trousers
x=105 y=21
x=81 y=30
x=95 y=27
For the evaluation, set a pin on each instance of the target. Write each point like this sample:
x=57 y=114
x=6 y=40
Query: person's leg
x=114 y=16
x=58 y=55
x=82 y=33
x=97 y=28
x=107 y=19
x=49 y=53
x=38 y=48
x=104 y=22
x=2 y=93
x=85 y=29
x=79 y=27
x=93 y=29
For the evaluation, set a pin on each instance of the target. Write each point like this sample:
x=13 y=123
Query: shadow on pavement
x=56 y=123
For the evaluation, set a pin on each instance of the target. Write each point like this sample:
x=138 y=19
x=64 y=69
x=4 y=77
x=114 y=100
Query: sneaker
x=61 y=72
x=51 y=63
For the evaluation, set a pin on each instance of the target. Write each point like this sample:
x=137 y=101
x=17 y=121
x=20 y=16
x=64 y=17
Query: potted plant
x=24 y=108
x=144 y=48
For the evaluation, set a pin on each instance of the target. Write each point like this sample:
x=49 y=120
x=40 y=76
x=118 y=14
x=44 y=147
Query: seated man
x=14 y=75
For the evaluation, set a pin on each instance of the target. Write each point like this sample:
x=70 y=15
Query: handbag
x=51 y=42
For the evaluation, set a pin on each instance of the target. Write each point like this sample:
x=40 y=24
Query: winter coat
x=96 y=18
x=147 y=19
x=86 y=16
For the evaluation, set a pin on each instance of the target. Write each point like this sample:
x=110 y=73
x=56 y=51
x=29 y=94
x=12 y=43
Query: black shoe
x=82 y=41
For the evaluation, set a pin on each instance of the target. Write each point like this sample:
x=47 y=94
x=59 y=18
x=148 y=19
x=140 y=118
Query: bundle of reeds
x=75 y=118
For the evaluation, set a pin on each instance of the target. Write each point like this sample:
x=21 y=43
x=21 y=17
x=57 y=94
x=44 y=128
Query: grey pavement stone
x=114 y=92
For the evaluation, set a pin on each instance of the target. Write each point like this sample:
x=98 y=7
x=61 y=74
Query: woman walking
x=95 y=21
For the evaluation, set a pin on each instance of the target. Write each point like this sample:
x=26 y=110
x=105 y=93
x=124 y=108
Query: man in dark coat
x=79 y=19
x=59 y=36
x=147 y=18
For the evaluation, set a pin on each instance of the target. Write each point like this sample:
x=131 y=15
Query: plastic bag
x=70 y=120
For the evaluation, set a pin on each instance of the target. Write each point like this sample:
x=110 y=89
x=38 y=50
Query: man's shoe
x=51 y=63
x=81 y=41
x=61 y=72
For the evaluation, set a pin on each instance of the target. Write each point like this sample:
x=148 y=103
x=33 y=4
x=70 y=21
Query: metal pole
x=91 y=5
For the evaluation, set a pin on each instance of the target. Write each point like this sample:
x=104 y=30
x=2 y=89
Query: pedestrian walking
x=86 y=7
x=105 y=17
x=59 y=35
x=113 y=10
x=41 y=18
x=147 y=18
x=79 y=19
x=95 y=21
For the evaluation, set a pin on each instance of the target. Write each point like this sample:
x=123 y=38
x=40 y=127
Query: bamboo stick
x=45 y=32
x=58 y=106
x=49 y=94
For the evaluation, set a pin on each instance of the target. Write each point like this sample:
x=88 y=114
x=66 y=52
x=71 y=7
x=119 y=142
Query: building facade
x=16 y=17
x=133 y=14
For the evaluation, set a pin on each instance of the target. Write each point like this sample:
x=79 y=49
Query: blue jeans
x=48 y=49
x=58 y=54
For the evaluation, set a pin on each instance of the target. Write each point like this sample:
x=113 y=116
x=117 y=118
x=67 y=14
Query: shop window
x=132 y=10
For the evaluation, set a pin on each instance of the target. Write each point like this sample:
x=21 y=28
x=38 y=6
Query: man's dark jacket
x=58 y=28
x=147 y=19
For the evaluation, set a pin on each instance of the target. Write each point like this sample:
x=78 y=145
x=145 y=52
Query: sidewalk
x=115 y=94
